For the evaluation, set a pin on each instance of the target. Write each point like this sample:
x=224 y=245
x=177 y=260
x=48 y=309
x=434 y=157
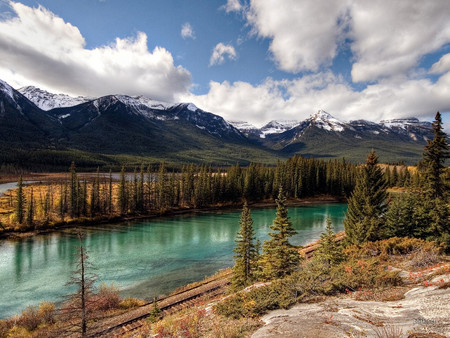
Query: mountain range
x=42 y=129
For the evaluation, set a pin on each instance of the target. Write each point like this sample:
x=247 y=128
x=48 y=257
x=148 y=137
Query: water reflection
x=145 y=258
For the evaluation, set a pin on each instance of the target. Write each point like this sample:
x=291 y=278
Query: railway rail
x=133 y=320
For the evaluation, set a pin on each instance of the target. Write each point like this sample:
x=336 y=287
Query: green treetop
x=367 y=204
x=436 y=152
x=20 y=202
x=245 y=251
x=280 y=257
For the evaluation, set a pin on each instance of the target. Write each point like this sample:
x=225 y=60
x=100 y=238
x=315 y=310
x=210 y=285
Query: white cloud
x=233 y=6
x=187 y=31
x=299 y=98
x=388 y=38
x=442 y=66
x=36 y=46
x=220 y=52
x=304 y=34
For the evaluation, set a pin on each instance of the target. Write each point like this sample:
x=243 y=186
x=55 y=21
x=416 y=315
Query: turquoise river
x=143 y=258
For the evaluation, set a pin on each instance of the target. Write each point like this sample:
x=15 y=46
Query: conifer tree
x=329 y=251
x=30 y=209
x=436 y=152
x=20 y=202
x=401 y=220
x=434 y=209
x=245 y=251
x=367 y=204
x=74 y=193
x=123 y=195
x=280 y=257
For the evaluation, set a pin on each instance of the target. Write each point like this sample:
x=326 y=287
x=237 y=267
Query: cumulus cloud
x=387 y=38
x=390 y=37
x=220 y=52
x=442 y=66
x=233 y=6
x=42 y=48
x=299 y=98
x=187 y=32
x=304 y=34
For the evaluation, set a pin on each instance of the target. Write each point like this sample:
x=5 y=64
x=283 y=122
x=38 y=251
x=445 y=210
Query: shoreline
x=173 y=212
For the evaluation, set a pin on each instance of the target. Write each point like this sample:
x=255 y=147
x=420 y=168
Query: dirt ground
x=423 y=310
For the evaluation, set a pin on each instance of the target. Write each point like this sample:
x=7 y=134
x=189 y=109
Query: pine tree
x=367 y=204
x=400 y=220
x=245 y=251
x=435 y=208
x=280 y=257
x=74 y=193
x=20 y=202
x=436 y=152
x=110 y=192
x=329 y=251
x=30 y=209
x=123 y=194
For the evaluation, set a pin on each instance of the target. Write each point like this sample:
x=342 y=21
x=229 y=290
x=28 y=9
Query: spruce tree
x=329 y=251
x=20 y=202
x=123 y=194
x=367 y=204
x=401 y=220
x=435 y=207
x=30 y=209
x=436 y=152
x=74 y=193
x=245 y=251
x=280 y=257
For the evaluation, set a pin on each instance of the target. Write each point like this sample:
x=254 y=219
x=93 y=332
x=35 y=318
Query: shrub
x=188 y=325
x=46 y=312
x=29 y=319
x=256 y=302
x=107 y=298
x=129 y=303
x=392 y=246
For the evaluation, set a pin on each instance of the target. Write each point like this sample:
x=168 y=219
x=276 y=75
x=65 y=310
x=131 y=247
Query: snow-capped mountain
x=277 y=127
x=243 y=126
x=139 y=105
x=47 y=101
x=325 y=121
x=121 y=124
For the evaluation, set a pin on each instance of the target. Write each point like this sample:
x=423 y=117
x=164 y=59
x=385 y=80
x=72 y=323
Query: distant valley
x=44 y=130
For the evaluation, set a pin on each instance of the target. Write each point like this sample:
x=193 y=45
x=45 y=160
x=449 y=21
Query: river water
x=143 y=258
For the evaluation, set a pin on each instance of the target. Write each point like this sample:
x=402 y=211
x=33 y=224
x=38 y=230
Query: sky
x=246 y=60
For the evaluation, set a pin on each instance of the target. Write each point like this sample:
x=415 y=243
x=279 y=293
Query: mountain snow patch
x=325 y=121
x=192 y=107
x=7 y=89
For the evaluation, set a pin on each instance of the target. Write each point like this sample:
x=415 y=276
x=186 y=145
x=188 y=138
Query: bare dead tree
x=84 y=280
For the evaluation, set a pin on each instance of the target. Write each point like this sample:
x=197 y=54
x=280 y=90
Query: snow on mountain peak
x=242 y=125
x=402 y=123
x=277 y=127
x=7 y=89
x=47 y=101
x=192 y=107
x=325 y=121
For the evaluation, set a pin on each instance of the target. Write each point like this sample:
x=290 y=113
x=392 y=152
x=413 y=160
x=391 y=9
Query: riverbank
x=115 y=219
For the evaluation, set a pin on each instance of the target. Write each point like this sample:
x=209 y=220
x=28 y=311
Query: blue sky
x=245 y=60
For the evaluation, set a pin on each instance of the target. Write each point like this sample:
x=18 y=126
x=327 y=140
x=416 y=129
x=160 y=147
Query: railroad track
x=167 y=305
x=179 y=300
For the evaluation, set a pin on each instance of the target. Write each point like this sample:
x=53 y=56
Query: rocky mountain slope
x=35 y=121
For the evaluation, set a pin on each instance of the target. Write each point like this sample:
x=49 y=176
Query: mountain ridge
x=117 y=126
